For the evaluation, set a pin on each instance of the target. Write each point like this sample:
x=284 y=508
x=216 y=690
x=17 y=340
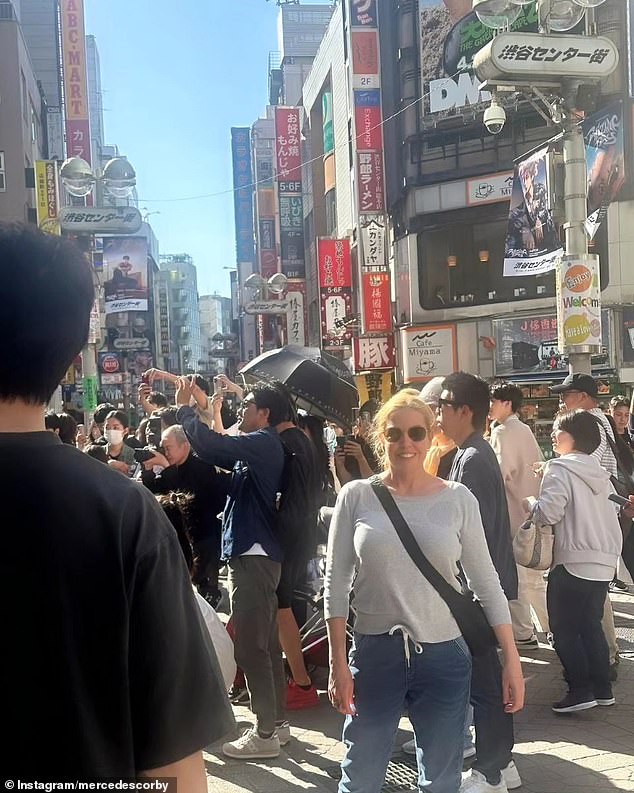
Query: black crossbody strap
x=440 y=584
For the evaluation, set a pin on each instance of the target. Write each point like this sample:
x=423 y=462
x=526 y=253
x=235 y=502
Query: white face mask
x=114 y=437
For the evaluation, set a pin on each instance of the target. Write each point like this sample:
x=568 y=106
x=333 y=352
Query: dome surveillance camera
x=494 y=118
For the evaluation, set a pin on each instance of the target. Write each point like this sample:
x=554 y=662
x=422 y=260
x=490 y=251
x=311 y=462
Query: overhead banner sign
x=75 y=80
x=93 y=220
x=532 y=244
x=335 y=290
x=603 y=134
x=579 y=303
x=47 y=196
x=125 y=274
x=428 y=351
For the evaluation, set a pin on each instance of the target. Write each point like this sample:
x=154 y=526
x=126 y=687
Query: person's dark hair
x=101 y=411
x=291 y=412
x=473 y=392
x=98 y=452
x=177 y=508
x=52 y=421
x=119 y=415
x=157 y=399
x=67 y=428
x=508 y=392
x=620 y=402
x=202 y=382
x=269 y=395
x=370 y=406
x=623 y=450
x=46 y=294
x=583 y=427
x=167 y=416
x=314 y=425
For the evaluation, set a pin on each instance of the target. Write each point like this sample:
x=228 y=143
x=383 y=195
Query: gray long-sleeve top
x=389 y=589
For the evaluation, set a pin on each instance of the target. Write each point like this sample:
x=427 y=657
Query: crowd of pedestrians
x=120 y=658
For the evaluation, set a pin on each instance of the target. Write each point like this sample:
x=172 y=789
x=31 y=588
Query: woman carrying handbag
x=408 y=650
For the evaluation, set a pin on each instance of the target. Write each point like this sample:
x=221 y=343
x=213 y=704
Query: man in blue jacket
x=252 y=551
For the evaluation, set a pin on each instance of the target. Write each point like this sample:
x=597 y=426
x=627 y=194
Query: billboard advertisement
x=243 y=192
x=377 y=303
x=450 y=36
x=292 y=236
x=603 y=134
x=371 y=181
x=579 y=302
x=125 y=274
x=532 y=244
x=75 y=80
x=47 y=196
x=367 y=116
x=335 y=290
x=288 y=152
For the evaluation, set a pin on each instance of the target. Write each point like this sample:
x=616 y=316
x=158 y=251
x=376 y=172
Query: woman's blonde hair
x=407 y=398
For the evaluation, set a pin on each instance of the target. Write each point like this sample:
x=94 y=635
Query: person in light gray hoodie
x=587 y=543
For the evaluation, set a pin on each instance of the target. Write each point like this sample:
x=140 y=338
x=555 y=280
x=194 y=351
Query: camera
x=494 y=118
x=143 y=455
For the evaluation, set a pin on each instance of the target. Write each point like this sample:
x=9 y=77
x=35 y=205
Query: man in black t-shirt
x=109 y=671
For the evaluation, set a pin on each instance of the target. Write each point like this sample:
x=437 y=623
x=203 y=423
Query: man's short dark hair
x=269 y=395
x=157 y=399
x=46 y=294
x=67 y=428
x=508 y=392
x=167 y=416
x=202 y=382
x=473 y=392
x=51 y=421
x=102 y=411
x=583 y=427
x=120 y=416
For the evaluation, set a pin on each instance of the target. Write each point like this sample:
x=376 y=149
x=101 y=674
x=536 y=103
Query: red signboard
x=365 y=52
x=377 y=305
x=373 y=352
x=335 y=270
x=288 y=153
x=368 y=127
x=371 y=183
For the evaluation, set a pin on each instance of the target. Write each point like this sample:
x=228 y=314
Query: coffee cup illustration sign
x=484 y=190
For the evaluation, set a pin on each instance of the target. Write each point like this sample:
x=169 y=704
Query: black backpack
x=296 y=507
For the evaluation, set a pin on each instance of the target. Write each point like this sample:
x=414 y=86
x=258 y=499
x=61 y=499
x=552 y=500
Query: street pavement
x=588 y=751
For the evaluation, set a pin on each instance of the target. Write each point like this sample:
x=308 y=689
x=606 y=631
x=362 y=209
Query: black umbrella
x=320 y=382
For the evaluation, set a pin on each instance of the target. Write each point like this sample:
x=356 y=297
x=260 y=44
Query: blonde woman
x=408 y=651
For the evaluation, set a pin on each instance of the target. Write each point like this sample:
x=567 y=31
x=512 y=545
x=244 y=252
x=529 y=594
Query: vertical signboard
x=243 y=195
x=125 y=274
x=75 y=80
x=579 y=303
x=295 y=314
x=377 y=304
x=335 y=290
x=288 y=161
x=47 y=196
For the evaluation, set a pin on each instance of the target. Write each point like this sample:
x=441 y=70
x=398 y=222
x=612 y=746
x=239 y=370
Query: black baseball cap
x=577 y=382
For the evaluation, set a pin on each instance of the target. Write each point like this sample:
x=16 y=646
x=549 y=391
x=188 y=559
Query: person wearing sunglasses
x=408 y=651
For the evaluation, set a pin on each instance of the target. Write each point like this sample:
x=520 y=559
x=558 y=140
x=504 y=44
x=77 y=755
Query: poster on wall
x=125 y=274
x=532 y=244
x=450 y=35
x=603 y=136
x=428 y=351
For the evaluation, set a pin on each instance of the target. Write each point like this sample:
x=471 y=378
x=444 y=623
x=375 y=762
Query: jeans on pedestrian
x=493 y=727
x=391 y=675
x=252 y=584
x=576 y=606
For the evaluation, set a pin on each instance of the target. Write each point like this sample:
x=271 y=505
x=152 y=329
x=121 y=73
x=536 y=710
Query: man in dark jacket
x=462 y=411
x=184 y=472
x=252 y=550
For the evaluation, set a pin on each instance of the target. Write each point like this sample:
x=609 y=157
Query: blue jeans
x=433 y=686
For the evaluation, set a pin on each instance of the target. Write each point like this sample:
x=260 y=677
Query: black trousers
x=494 y=727
x=575 y=608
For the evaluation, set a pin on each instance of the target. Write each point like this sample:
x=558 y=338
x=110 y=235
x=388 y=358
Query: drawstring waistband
x=418 y=648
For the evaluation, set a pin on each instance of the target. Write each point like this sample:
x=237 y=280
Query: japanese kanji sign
x=75 y=82
x=288 y=152
x=365 y=52
x=288 y=161
x=295 y=322
x=370 y=181
x=47 y=196
x=553 y=56
x=377 y=305
x=292 y=235
x=373 y=352
x=243 y=193
x=367 y=115
x=335 y=289
x=98 y=220
x=373 y=233
x=428 y=351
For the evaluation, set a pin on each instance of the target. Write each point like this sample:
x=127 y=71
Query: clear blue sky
x=176 y=77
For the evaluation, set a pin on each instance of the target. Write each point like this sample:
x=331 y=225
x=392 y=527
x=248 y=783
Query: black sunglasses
x=394 y=434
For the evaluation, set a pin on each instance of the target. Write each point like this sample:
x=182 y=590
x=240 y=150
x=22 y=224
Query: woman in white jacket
x=574 y=500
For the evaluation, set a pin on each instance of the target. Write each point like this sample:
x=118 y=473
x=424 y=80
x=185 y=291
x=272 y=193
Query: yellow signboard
x=47 y=196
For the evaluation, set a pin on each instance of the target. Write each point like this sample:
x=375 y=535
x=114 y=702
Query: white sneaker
x=511 y=776
x=477 y=783
x=252 y=746
x=283 y=731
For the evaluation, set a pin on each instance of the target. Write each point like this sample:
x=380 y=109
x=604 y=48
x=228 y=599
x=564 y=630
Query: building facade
x=187 y=352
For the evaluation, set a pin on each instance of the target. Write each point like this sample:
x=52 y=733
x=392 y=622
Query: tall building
x=95 y=101
x=22 y=120
x=215 y=325
x=188 y=353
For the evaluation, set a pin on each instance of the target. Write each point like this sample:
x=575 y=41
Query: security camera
x=494 y=118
